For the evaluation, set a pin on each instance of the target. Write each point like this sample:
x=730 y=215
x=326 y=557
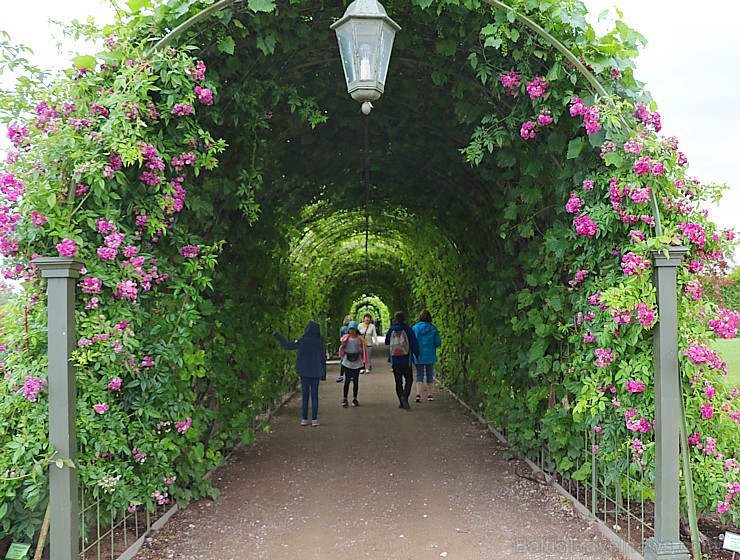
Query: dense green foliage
x=505 y=232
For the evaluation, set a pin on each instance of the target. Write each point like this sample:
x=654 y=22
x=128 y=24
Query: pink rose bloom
x=67 y=248
x=101 y=408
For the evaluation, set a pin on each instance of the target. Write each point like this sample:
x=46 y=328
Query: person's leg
x=408 y=378
x=356 y=384
x=314 y=400
x=306 y=389
x=370 y=358
x=398 y=376
x=419 y=380
x=341 y=374
x=347 y=378
x=430 y=381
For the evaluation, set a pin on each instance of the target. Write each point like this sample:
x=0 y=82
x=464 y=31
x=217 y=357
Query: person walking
x=367 y=331
x=403 y=346
x=429 y=340
x=310 y=364
x=352 y=357
x=343 y=330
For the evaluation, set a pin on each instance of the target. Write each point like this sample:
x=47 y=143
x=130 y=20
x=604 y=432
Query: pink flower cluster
x=588 y=185
x=90 y=285
x=645 y=117
x=204 y=95
x=545 y=117
x=198 y=74
x=590 y=114
x=633 y=264
x=127 y=289
x=695 y=232
x=693 y=289
x=184 y=426
x=115 y=384
x=161 y=498
x=528 y=130
x=190 y=251
x=32 y=386
x=604 y=357
x=638 y=450
x=67 y=247
x=701 y=355
x=179 y=162
x=726 y=324
x=537 y=87
x=17 y=134
x=642 y=425
x=12 y=187
x=585 y=226
x=645 y=315
x=181 y=110
x=101 y=408
x=578 y=278
x=574 y=204
x=635 y=386
x=707 y=411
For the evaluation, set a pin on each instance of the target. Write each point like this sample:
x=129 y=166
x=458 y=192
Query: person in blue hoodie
x=429 y=340
x=310 y=364
x=403 y=347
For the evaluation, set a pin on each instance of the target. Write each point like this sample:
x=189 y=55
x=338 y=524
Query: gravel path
x=377 y=482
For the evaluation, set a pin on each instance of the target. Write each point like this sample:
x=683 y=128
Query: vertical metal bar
x=61 y=273
x=97 y=526
x=82 y=525
x=665 y=542
x=593 y=480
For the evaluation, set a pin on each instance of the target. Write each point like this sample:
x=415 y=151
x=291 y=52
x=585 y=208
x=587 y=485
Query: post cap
x=58 y=267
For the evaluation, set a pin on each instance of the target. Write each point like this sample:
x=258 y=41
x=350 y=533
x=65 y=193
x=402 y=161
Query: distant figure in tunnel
x=403 y=346
x=429 y=341
x=343 y=330
x=310 y=364
x=352 y=357
x=367 y=330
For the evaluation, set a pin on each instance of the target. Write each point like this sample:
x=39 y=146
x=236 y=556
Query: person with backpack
x=343 y=330
x=352 y=357
x=403 y=346
x=429 y=341
x=310 y=364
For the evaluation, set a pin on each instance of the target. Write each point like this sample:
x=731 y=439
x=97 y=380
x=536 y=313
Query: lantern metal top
x=366 y=9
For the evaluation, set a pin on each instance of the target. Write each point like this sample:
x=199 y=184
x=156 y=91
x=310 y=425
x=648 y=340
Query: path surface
x=377 y=482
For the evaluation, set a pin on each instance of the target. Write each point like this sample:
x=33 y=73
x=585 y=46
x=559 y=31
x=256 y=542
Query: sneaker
x=340 y=379
x=430 y=397
x=345 y=403
x=355 y=403
x=304 y=422
x=314 y=423
x=418 y=398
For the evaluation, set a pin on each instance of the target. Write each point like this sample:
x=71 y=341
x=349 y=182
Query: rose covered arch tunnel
x=429 y=229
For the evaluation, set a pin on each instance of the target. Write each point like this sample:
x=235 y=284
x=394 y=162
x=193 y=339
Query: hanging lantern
x=365 y=35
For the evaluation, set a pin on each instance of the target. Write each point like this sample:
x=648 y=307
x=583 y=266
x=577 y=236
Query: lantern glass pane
x=344 y=38
x=367 y=34
x=386 y=45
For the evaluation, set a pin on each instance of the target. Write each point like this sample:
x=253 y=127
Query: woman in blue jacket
x=310 y=364
x=429 y=340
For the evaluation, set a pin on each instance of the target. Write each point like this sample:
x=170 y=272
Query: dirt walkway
x=377 y=482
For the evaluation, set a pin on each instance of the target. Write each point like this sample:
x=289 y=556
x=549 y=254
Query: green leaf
x=51 y=200
x=136 y=5
x=59 y=463
x=227 y=45
x=84 y=61
x=613 y=158
x=261 y=5
x=575 y=147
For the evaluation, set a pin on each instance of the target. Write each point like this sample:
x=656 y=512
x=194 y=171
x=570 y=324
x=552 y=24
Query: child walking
x=352 y=357
x=310 y=364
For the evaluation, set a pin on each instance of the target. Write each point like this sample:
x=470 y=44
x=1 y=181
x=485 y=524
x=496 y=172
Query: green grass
x=729 y=351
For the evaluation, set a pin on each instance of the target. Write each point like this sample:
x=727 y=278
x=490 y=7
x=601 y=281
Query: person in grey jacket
x=429 y=340
x=310 y=364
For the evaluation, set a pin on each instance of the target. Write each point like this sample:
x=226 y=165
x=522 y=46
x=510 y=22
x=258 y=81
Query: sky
x=691 y=66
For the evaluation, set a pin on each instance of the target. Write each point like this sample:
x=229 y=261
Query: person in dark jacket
x=429 y=341
x=403 y=346
x=310 y=364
